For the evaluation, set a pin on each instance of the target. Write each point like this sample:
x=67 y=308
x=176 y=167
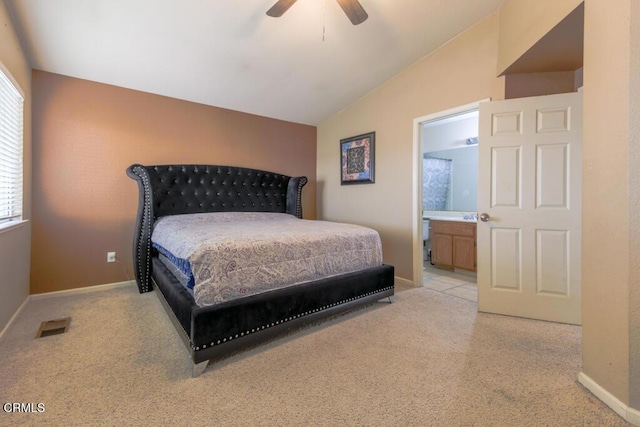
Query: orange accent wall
x=86 y=134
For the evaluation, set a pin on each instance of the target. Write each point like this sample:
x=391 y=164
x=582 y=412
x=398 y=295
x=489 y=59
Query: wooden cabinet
x=453 y=244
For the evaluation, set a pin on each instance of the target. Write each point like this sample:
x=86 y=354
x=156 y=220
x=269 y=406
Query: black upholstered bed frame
x=211 y=331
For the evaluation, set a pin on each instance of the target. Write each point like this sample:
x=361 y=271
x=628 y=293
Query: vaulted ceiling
x=302 y=67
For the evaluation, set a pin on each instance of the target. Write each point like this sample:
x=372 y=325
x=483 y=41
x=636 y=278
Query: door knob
x=484 y=217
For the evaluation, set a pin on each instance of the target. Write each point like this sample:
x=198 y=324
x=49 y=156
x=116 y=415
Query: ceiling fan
x=352 y=8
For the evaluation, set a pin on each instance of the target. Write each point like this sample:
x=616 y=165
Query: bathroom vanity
x=453 y=244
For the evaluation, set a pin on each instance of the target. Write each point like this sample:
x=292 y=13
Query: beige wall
x=611 y=245
x=605 y=200
x=634 y=208
x=15 y=243
x=439 y=82
x=524 y=22
x=86 y=134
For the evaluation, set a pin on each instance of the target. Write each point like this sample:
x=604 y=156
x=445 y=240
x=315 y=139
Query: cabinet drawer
x=454 y=228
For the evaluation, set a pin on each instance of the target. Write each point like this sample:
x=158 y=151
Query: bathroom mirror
x=450 y=163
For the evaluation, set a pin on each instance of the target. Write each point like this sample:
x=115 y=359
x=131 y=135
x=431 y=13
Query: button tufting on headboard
x=203 y=188
x=183 y=189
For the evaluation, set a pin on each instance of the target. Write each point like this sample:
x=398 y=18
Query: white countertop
x=448 y=218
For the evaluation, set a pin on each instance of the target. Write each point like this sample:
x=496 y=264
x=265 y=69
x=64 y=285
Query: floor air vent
x=53 y=327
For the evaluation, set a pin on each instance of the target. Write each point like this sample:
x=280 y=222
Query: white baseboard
x=633 y=416
x=14 y=317
x=403 y=283
x=629 y=414
x=85 y=290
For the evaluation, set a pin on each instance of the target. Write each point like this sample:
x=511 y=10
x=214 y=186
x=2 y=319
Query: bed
x=213 y=323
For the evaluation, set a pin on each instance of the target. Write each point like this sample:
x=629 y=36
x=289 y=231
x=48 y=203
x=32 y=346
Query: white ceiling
x=302 y=67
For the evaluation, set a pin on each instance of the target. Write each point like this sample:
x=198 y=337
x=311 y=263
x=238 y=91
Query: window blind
x=11 y=124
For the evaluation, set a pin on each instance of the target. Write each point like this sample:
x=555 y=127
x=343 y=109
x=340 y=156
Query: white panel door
x=530 y=190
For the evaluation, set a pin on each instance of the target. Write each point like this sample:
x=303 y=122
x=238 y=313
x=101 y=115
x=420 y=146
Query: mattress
x=229 y=255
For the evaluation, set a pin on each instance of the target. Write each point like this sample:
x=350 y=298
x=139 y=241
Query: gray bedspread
x=236 y=254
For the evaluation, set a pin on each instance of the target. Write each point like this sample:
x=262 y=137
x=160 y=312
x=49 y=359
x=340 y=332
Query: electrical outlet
x=111 y=257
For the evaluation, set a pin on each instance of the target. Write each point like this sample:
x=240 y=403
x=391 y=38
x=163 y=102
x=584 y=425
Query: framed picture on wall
x=357 y=159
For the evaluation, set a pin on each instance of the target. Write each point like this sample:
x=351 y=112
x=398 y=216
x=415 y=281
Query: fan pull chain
x=323 y=12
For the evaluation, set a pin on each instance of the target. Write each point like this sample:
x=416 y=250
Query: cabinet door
x=464 y=253
x=442 y=249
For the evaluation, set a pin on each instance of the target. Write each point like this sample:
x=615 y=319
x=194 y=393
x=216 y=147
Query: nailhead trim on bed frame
x=146 y=225
x=301 y=183
x=188 y=189
x=242 y=334
x=272 y=195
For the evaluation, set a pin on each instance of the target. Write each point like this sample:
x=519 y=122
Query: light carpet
x=428 y=359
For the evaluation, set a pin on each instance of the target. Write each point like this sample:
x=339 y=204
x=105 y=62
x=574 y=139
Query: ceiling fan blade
x=354 y=10
x=281 y=6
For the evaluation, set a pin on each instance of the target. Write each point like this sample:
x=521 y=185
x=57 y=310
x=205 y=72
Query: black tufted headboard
x=182 y=189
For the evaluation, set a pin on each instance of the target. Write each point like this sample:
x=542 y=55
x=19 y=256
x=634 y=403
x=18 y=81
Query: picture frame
x=357 y=159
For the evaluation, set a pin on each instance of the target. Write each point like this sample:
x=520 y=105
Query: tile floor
x=451 y=283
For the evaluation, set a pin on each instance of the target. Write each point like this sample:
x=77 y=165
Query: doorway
x=446 y=151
